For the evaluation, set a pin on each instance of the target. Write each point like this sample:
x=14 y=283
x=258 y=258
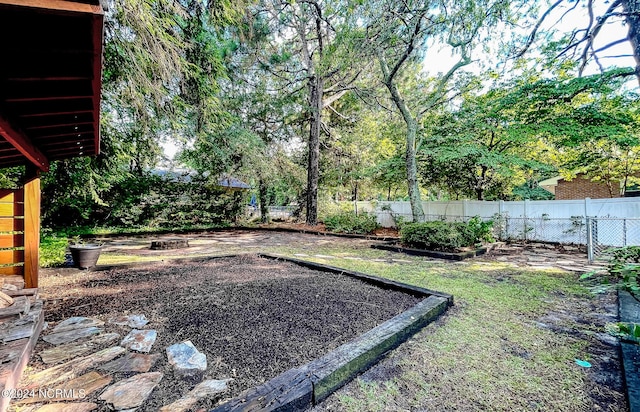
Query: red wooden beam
x=54 y=125
x=43 y=114
x=60 y=5
x=98 y=37
x=46 y=79
x=46 y=98
x=22 y=143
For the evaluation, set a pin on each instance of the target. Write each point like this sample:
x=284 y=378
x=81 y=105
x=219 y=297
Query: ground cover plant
x=510 y=342
x=446 y=236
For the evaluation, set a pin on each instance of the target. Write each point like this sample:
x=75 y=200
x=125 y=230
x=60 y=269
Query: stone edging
x=300 y=388
x=630 y=312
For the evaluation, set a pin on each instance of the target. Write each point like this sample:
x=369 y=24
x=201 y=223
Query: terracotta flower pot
x=85 y=256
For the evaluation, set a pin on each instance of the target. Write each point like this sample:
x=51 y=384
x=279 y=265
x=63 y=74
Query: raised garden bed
x=256 y=319
x=393 y=247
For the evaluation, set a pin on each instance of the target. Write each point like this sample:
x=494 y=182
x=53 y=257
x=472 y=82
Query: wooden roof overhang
x=50 y=80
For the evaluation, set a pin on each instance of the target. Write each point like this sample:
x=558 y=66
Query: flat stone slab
x=131 y=393
x=71 y=335
x=72 y=368
x=73 y=390
x=71 y=350
x=204 y=389
x=187 y=361
x=132 y=321
x=68 y=407
x=76 y=322
x=140 y=340
x=131 y=362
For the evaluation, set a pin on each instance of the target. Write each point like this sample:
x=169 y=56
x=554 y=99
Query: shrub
x=445 y=236
x=349 y=222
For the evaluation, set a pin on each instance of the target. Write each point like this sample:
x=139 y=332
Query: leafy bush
x=625 y=266
x=482 y=230
x=349 y=222
x=445 y=236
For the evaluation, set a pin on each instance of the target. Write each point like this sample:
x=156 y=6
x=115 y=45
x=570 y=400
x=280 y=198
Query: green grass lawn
x=487 y=352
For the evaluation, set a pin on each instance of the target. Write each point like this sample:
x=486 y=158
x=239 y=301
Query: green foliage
x=446 y=236
x=625 y=267
x=52 y=249
x=481 y=229
x=625 y=330
x=145 y=201
x=349 y=222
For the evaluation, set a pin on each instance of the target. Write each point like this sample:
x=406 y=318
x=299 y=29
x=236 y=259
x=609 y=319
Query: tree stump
x=164 y=244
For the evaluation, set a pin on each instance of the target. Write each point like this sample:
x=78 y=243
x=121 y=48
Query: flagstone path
x=85 y=367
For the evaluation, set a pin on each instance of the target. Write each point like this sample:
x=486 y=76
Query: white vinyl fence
x=611 y=222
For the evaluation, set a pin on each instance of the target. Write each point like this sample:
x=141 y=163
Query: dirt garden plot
x=253 y=318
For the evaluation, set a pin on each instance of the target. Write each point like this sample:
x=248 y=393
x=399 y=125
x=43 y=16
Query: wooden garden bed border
x=432 y=253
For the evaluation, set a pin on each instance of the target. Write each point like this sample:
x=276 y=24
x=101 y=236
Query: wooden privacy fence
x=12 y=232
x=20 y=232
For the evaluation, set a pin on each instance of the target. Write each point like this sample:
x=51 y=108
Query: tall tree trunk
x=313 y=173
x=412 y=172
x=410 y=153
x=262 y=198
x=354 y=192
x=632 y=13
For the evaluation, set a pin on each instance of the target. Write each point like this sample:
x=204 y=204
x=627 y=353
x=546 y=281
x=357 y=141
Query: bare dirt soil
x=254 y=318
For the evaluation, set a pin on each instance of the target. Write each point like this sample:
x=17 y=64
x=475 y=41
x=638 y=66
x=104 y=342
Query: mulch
x=254 y=318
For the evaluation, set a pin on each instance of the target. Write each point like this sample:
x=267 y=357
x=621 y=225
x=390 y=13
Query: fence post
x=465 y=210
x=624 y=232
x=586 y=206
x=524 y=219
x=589 y=239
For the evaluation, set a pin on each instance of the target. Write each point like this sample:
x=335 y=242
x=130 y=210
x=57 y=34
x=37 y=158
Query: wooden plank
x=6 y=196
x=11 y=240
x=11 y=225
x=60 y=5
x=21 y=306
x=22 y=292
x=11 y=256
x=32 y=229
x=12 y=270
x=23 y=144
x=11 y=372
x=290 y=391
x=11 y=209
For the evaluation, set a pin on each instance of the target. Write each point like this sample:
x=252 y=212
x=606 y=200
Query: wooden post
x=31 y=227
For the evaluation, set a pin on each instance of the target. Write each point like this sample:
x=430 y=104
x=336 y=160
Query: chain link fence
x=597 y=234
x=607 y=233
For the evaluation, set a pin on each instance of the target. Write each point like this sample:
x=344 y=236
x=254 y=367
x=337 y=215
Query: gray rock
x=204 y=389
x=76 y=322
x=188 y=363
x=71 y=335
x=139 y=340
x=131 y=393
x=132 y=362
x=68 y=407
x=70 y=350
x=133 y=321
